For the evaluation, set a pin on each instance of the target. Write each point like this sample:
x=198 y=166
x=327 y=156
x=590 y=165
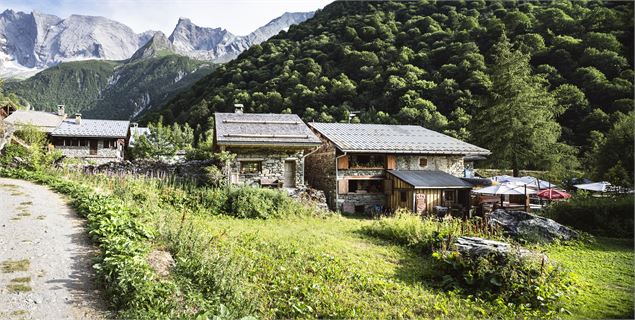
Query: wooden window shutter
x=342 y=162
x=388 y=186
x=342 y=186
x=391 y=162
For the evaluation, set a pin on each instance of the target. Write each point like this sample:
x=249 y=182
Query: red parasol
x=553 y=194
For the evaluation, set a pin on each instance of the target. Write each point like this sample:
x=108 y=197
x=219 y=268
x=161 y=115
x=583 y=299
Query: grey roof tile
x=382 y=138
x=91 y=128
x=263 y=129
x=45 y=121
x=430 y=179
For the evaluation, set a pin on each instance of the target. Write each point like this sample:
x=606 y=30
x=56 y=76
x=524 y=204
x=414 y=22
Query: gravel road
x=45 y=257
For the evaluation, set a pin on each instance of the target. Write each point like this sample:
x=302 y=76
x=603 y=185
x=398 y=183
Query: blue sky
x=238 y=16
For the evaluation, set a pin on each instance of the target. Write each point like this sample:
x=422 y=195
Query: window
x=110 y=144
x=83 y=142
x=450 y=195
x=250 y=167
x=402 y=196
x=366 y=186
x=423 y=162
x=367 y=161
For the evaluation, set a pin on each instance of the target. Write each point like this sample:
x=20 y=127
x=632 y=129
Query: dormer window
x=423 y=162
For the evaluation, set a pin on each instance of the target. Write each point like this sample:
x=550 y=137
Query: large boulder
x=530 y=227
x=475 y=248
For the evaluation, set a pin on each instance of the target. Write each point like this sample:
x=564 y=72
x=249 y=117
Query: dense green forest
x=110 y=89
x=430 y=63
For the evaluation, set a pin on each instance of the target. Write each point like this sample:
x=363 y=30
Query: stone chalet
x=97 y=141
x=269 y=148
x=365 y=167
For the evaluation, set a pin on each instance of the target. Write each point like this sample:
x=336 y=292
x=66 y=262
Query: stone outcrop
x=530 y=227
x=474 y=247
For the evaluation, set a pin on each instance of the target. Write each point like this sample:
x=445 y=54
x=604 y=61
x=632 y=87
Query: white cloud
x=238 y=16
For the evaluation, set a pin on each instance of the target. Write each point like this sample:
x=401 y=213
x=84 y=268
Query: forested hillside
x=110 y=89
x=429 y=63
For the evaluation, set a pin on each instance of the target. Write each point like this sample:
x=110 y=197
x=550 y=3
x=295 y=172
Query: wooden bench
x=270 y=183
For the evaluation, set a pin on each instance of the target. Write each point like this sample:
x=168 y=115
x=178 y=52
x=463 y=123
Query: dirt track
x=45 y=257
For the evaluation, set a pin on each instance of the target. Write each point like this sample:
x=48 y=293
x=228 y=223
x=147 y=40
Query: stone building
x=96 y=141
x=366 y=167
x=269 y=149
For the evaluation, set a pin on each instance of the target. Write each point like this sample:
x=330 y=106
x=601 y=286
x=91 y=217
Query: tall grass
x=427 y=233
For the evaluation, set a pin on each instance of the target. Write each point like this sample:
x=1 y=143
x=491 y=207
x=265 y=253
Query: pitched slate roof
x=430 y=179
x=90 y=128
x=45 y=121
x=382 y=138
x=262 y=129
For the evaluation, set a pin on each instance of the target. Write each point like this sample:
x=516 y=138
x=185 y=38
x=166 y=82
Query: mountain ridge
x=31 y=42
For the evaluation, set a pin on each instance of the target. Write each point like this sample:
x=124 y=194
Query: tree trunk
x=515 y=165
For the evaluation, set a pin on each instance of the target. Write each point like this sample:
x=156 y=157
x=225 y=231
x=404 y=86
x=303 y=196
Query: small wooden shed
x=422 y=190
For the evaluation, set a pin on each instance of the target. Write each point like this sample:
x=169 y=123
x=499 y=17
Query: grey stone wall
x=452 y=164
x=104 y=155
x=272 y=165
x=319 y=170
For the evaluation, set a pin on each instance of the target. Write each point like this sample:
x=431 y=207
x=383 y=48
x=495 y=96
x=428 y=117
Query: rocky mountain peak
x=30 y=42
x=156 y=46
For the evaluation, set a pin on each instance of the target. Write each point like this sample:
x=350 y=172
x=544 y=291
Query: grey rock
x=475 y=247
x=530 y=227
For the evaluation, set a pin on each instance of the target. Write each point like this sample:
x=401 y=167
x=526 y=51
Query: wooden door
x=289 y=174
x=421 y=203
x=93 y=147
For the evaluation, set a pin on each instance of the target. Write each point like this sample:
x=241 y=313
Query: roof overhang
x=267 y=144
x=87 y=136
x=413 y=152
x=443 y=187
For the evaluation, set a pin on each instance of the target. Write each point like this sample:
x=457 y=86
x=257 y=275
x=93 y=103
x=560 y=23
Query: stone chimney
x=78 y=118
x=134 y=125
x=239 y=108
x=60 y=110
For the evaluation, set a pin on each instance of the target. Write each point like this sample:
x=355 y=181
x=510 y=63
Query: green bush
x=506 y=278
x=259 y=203
x=609 y=217
x=35 y=156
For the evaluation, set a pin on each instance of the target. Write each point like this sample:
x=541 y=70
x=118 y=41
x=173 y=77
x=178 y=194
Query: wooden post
x=526 y=200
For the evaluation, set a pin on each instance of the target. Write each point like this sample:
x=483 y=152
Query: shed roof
x=430 y=179
x=92 y=128
x=263 y=129
x=45 y=121
x=382 y=138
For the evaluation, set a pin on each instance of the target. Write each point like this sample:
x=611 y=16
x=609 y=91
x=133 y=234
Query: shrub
x=35 y=156
x=508 y=278
x=248 y=202
x=610 y=217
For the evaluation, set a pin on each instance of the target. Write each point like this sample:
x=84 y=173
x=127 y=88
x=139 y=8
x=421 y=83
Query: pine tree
x=516 y=121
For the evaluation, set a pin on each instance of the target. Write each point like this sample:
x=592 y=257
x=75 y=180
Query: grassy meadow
x=309 y=264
